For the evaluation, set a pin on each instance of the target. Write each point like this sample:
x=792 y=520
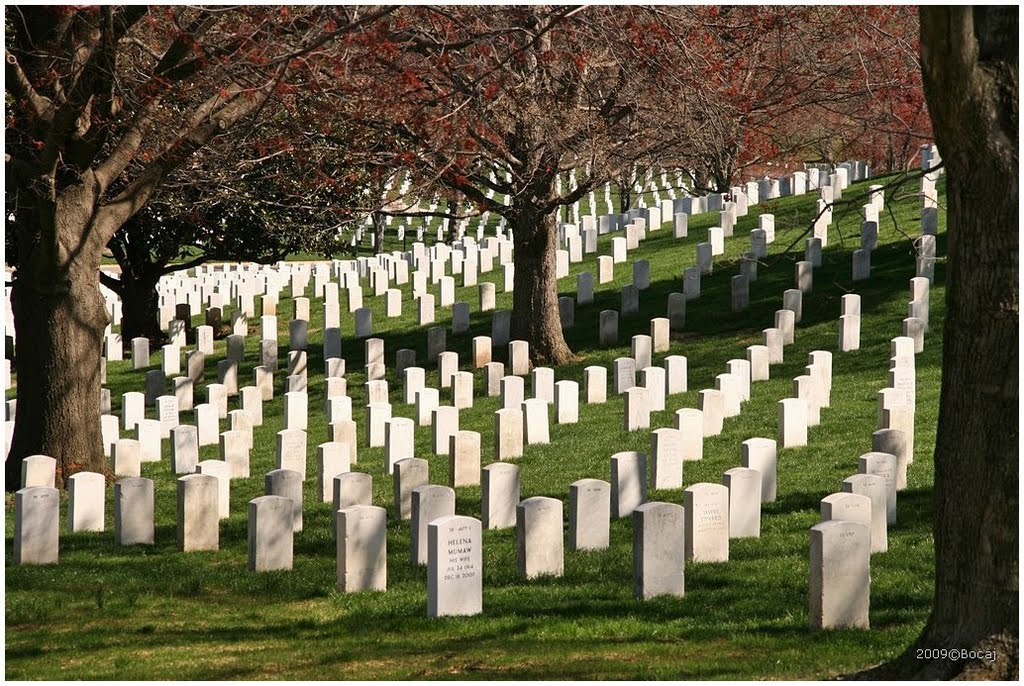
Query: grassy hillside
x=145 y=613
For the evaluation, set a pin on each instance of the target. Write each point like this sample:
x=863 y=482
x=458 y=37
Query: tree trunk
x=535 y=317
x=378 y=233
x=59 y=317
x=451 y=224
x=625 y=197
x=969 y=61
x=140 y=309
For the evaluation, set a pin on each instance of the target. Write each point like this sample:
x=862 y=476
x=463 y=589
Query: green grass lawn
x=152 y=613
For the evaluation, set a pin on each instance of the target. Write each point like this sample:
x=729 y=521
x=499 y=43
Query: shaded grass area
x=144 y=613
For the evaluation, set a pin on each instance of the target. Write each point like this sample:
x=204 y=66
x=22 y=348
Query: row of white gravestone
x=880 y=470
x=854 y=526
x=758 y=473
x=796 y=183
x=37 y=503
x=659 y=333
x=830 y=542
x=649 y=581
x=268 y=321
x=229 y=375
x=376 y=270
x=201 y=504
x=897 y=402
x=733 y=387
x=641 y=268
x=365 y=312
x=188 y=543
x=453 y=546
x=855 y=521
x=703 y=534
x=764 y=234
x=608 y=327
x=241 y=282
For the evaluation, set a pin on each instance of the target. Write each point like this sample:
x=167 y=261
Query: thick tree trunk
x=60 y=317
x=535 y=317
x=969 y=60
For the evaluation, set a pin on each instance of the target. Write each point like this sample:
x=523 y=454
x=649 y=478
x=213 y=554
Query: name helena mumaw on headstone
x=454 y=566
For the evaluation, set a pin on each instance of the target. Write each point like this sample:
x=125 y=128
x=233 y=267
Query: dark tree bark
x=64 y=219
x=60 y=318
x=144 y=255
x=535 y=316
x=970 y=63
x=87 y=148
x=140 y=305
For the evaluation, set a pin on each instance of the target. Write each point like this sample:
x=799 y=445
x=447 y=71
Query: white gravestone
x=86 y=506
x=760 y=454
x=539 y=537
x=409 y=474
x=36 y=525
x=744 y=486
x=589 y=514
x=287 y=484
x=667 y=458
x=629 y=482
x=659 y=551
x=707 y=522
x=454 y=566
x=270 y=533
x=840 y=571
x=198 y=513
x=133 y=511
x=362 y=549
x=500 y=495
x=429 y=503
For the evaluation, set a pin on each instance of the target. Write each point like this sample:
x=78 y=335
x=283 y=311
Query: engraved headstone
x=707 y=522
x=36 y=525
x=454 y=566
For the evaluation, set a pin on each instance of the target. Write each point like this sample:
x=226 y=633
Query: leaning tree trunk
x=969 y=61
x=59 y=318
x=535 y=316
